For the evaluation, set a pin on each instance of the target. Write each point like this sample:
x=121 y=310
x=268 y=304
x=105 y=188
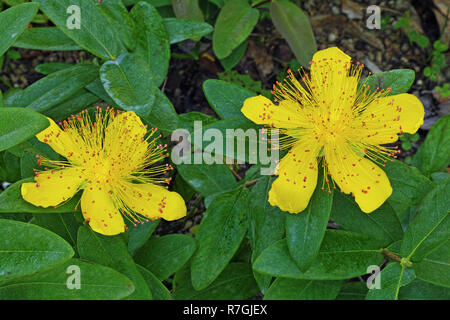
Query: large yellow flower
x=112 y=160
x=327 y=116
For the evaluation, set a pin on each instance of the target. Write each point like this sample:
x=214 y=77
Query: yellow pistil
x=329 y=118
x=115 y=161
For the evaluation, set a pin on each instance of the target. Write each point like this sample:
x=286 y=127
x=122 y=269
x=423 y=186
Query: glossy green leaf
x=128 y=81
x=234 y=57
x=139 y=235
x=306 y=230
x=153 y=44
x=55 y=88
x=81 y=100
x=97 y=282
x=342 y=255
x=13 y=22
x=18 y=125
x=26 y=249
x=431 y=227
x=165 y=255
x=353 y=291
x=435 y=268
x=183 y=29
x=187 y=9
x=120 y=21
x=63 y=224
x=95 y=35
x=382 y=225
x=226 y=99
x=158 y=289
x=111 y=251
x=50 y=67
x=392 y=278
x=409 y=186
x=46 y=38
x=399 y=80
x=219 y=236
x=207 y=179
x=294 y=26
x=421 y=290
x=163 y=116
x=235 y=282
x=234 y=24
x=434 y=154
x=292 y=289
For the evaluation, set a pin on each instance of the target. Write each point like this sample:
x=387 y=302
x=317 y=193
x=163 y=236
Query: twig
x=256 y=5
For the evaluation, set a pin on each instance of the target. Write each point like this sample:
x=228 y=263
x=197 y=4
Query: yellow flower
x=327 y=116
x=111 y=160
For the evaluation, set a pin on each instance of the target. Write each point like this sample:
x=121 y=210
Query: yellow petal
x=52 y=187
x=385 y=117
x=297 y=178
x=261 y=110
x=66 y=143
x=360 y=176
x=153 y=201
x=98 y=208
x=329 y=71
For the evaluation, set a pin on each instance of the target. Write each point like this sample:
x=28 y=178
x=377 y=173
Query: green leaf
x=183 y=29
x=111 y=251
x=435 y=268
x=434 y=154
x=234 y=24
x=128 y=81
x=163 y=116
x=382 y=225
x=266 y=224
x=26 y=249
x=226 y=99
x=81 y=100
x=18 y=125
x=13 y=22
x=153 y=44
x=342 y=255
x=353 y=291
x=392 y=278
x=50 y=67
x=219 y=236
x=421 y=290
x=207 y=179
x=399 y=80
x=187 y=9
x=165 y=255
x=63 y=224
x=95 y=35
x=140 y=235
x=235 y=282
x=409 y=186
x=158 y=289
x=120 y=21
x=292 y=289
x=97 y=283
x=431 y=227
x=55 y=88
x=294 y=26
x=306 y=230
x=46 y=38
x=234 y=57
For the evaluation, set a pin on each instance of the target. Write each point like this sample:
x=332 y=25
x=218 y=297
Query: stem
x=391 y=255
x=256 y=5
x=250 y=183
x=236 y=174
